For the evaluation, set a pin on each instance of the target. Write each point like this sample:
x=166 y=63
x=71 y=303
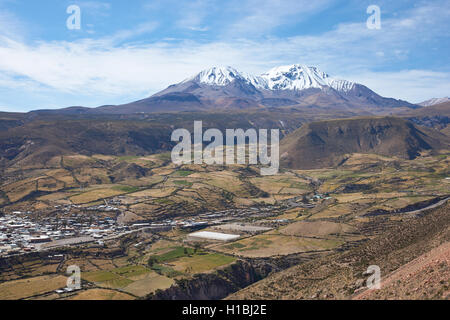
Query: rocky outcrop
x=222 y=283
x=215 y=285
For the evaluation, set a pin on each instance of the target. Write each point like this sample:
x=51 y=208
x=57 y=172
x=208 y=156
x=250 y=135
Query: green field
x=135 y=279
x=126 y=189
x=174 y=253
x=184 y=173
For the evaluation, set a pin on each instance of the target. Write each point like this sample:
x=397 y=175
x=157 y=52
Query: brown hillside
x=327 y=143
x=403 y=250
x=442 y=109
x=436 y=116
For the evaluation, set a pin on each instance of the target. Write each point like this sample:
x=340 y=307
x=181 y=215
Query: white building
x=207 y=235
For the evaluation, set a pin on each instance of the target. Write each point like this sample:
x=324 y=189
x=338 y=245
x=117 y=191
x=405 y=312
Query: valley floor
x=316 y=230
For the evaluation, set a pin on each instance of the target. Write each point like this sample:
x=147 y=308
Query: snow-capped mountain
x=299 y=77
x=434 y=101
x=294 y=85
x=222 y=76
x=293 y=77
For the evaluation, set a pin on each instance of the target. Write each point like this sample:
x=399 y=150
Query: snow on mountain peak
x=291 y=77
x=434 y=101
x=222 y=76
x=300 y=77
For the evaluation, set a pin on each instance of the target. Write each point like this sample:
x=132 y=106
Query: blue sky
x=128 y=50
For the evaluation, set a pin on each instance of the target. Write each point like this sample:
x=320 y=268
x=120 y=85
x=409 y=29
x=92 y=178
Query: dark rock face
x=9 y=123
x=214 y=286
x=222 y=283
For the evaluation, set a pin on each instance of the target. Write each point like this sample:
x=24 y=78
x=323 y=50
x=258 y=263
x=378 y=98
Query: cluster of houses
x=103 y=208
x=20 y=233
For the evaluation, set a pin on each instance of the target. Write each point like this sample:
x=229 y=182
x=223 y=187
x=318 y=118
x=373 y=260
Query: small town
x=22 y=233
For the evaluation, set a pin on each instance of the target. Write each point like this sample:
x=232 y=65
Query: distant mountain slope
x=326 y=143
x=35 y=138
x=10 y=120
x=441 y=109
x=434 y=101
x=446 y=131
x=39 y=141
x=227 y=88
x=436 y=116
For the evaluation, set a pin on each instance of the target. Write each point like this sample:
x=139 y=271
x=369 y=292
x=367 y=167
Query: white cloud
x=143 y=28
x=10 y=26
x=194 y=14
x=412 y=85
x=260 y=16
x=87 y=68
x=108 y=68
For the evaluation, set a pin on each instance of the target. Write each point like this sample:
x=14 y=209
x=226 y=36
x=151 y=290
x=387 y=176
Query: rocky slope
x=435 y=116
x=327 y=143
x=409 y=253
x=426 y=277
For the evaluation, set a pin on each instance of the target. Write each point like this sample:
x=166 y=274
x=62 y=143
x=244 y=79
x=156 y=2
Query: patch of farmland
x=148 y=283
x=95 y=195
x=201 y=262
x=316 y=229
x=154 y=193
x=101 y=294
x=20 y=289
x=269 y=245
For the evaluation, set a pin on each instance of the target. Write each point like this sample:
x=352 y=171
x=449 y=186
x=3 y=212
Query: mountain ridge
x=289 y=77
x=434 y=101
x=225 y=88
